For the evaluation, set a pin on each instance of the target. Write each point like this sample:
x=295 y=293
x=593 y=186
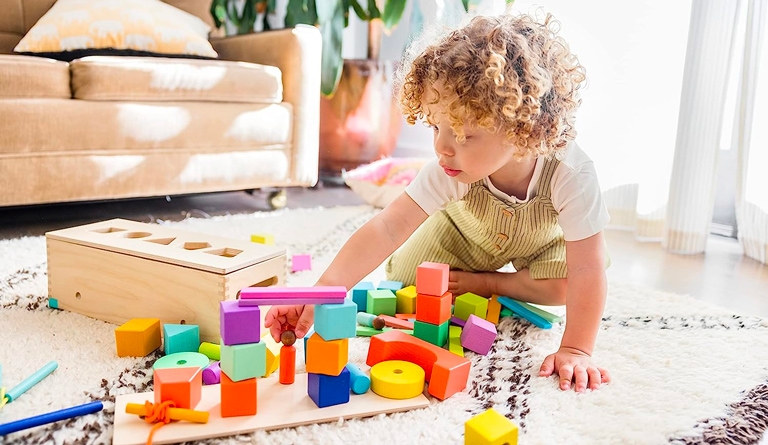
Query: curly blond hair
x=504 y=73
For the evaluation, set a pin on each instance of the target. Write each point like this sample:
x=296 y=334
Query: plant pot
x=361 y=122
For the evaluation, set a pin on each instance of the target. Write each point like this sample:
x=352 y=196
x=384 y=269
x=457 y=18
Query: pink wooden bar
x=255 y=296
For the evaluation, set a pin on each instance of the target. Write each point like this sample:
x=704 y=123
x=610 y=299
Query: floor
x=722 y=276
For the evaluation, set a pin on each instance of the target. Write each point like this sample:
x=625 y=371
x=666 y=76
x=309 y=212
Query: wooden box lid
x=169 y=245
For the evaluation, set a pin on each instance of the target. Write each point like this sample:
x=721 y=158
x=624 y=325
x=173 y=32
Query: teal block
x=53 y=303
x=242 y=362
x=181 y=338
x=394 y=286
x=360 y=294
x=437 y=334
x=468 y=304
x=381 y=302
x=306 y=337
x=336 y=321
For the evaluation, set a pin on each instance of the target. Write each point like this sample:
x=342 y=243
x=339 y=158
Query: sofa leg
x=277 y=199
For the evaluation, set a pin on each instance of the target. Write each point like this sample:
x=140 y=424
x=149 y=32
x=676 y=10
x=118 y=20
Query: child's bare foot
x=460 y=282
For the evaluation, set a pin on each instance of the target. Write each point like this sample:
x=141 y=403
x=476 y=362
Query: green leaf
x=466 y=5
x=393 y=12
x=361 y=14
x=300 y=11
x=373 y=10
x=509 y=2
x=271 y=6
x=330 y=16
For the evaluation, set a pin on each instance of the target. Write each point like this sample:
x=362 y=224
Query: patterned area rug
x=684 y=371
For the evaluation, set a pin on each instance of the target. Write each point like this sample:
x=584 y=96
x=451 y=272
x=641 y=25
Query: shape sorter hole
x=108 y=230
x=398 y=371
x=137 y=234
x=77 y=295
x=272 y=281
x=181 y=362
x=195 y=245
x=227 y=252
x=163 y=241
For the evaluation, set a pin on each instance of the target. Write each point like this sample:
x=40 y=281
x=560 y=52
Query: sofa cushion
x=26 y=76
x=66 y=126
x=140 y=25
x=162 y=79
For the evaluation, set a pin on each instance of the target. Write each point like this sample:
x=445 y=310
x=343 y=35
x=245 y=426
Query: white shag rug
x=683 y=371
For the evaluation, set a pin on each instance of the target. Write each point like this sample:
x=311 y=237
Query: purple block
x=212 y=374
x=301 y=262
x=458 y=321
x=478 y=335
x=239 y=324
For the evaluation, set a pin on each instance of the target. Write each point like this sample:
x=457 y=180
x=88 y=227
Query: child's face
x=482 y=154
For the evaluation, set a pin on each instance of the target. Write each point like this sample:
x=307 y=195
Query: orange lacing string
x=157 y=413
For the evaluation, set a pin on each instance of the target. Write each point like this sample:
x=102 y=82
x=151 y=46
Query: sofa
x=111 y=127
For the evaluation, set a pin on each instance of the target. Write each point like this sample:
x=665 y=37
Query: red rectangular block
x=432 y=279
x=434 y=310
x=396 y=323
x=238 y=398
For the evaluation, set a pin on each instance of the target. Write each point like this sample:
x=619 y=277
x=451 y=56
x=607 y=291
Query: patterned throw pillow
x=137 y=26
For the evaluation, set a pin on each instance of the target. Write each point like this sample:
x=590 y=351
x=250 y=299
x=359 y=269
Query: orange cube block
x=138 y=337
x=494 y=309
x=434 y=310
x=238 y=398
x=326 y=357
x=182 y=386
x=432 y=279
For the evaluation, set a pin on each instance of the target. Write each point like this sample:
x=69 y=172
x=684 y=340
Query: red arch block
x=446 y=372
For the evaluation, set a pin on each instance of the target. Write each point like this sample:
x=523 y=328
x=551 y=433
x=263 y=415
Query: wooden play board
x=279 y=406
x=117 y=270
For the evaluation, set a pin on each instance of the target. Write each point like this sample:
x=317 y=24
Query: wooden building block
x=490 y=428
x=524 y=312
x=407 y=317
x=478 y=335
x=494 y=309
x=181 y=338
x=360 y=294
x=359 y=382
x=368 y=331
x=241 y=362
x=210 y=350
x=309 y=335
x=370 y=320
x=437 y=334
x=239 y=324
x=301 y=262
x=431 y=309
x=258 y=296
x=470 y=303
x=454 y=340
x=273 y=353
x=397 y=379
x=212 y=374
x=117 y=270
x=432 y=278
x=506 y=312
x=406 y=300
x=446 y=373
x=458 y=322
x=183 y=386
x=238 y=398
x=326 y=357
x=129 y=429
x=550 y=317
x=396 y=323
x=381 y=302
x=138 y=337
x=263 y=238
x=394 y=286
x=287 y=364
x=327 y=390
x=336 y=321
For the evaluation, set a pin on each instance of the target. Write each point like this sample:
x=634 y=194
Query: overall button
x=507 y=212
x=503 y=236
x=498 y=247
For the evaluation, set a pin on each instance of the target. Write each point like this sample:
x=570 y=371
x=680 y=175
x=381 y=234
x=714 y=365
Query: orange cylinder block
x=287 y=365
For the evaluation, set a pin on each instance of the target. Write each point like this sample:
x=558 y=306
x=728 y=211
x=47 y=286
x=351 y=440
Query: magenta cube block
x=239 y=324
x=301 y=262
x=478 y=335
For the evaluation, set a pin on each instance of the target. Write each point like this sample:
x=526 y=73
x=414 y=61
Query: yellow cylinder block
x=397 y=379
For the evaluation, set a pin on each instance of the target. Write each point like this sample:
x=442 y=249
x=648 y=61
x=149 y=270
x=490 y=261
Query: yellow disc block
x=397 y=379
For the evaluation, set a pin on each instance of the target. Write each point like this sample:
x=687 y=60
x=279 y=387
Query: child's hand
x=296 y=318
x=571 y=364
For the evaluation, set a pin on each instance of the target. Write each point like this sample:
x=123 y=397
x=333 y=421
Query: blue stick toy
x=30 y=381
x=55 y=416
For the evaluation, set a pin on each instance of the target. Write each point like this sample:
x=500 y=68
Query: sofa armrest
x=296 y=51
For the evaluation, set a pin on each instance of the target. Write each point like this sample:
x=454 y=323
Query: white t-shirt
x=575 y=193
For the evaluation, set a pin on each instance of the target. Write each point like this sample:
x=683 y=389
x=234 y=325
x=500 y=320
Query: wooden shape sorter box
x=118 y=270
x=279 y=406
